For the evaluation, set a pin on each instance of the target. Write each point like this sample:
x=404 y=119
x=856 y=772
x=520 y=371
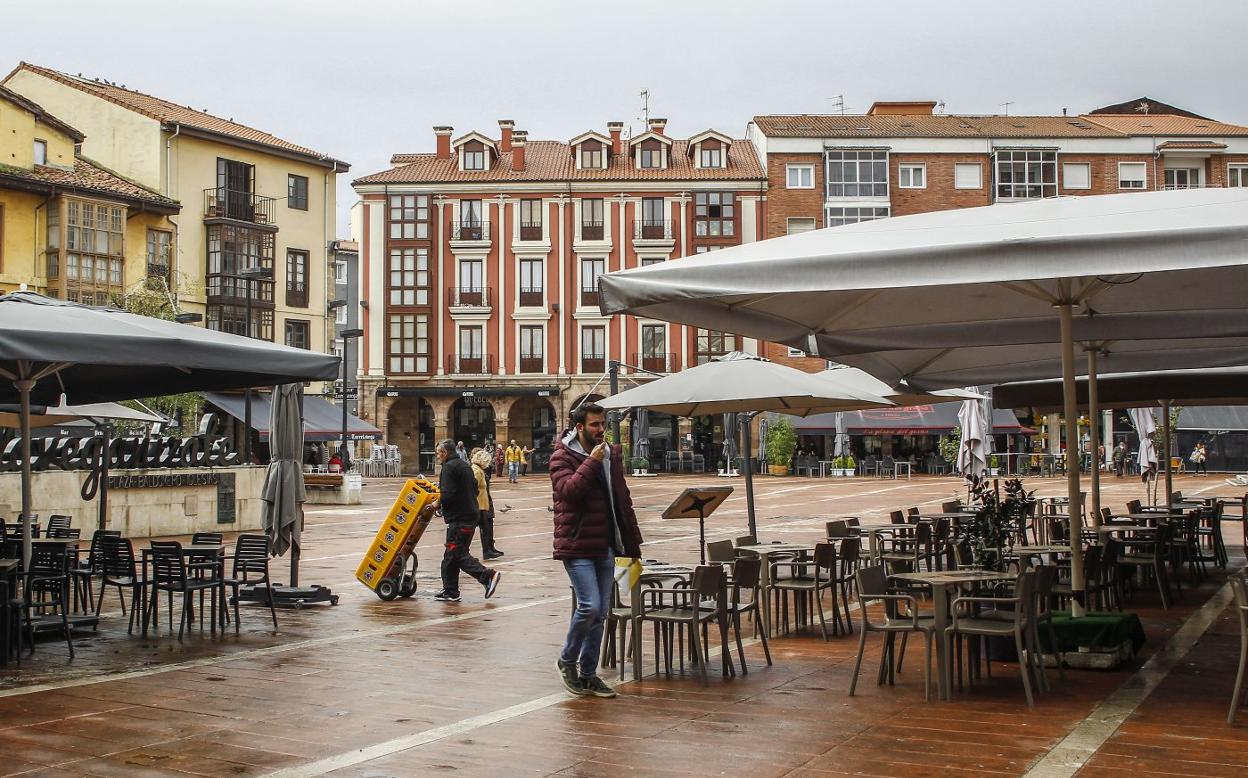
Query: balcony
x=470 y=230
x=589 y=297
x=158 y=270
x=223 y=287
x=222 y=203
x=532 y=363
x=651 y=229
x=469 y=296
x=591 y=230
x=468 y=364
x=532 y=297
x=594 y=365
x=530 y=230
x=654 y=362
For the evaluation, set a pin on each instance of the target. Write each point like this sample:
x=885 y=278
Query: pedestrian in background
x=481 y=466
x=460 y=451
x=1120 y=458
x=1197 y=458
x=457 y=499
x=514 y=455
x=526 y=454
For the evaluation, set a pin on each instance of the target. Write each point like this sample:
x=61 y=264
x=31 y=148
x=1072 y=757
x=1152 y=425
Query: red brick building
x=479 y=266
x=904 y=158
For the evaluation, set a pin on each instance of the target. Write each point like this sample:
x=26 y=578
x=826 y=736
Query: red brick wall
x=780 y=354
x=783 y=203
x=939 y=194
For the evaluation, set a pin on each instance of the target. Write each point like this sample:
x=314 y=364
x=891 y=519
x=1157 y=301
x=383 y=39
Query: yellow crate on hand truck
x=389 y=567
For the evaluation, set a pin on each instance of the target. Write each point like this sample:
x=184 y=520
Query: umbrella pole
x=24 y=385
x=749 y=474
x=1075 y=510
x=1165 y=443
x=1094 y=437
x=103 y=484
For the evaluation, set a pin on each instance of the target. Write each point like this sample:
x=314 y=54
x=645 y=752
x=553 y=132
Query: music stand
x=698 y=503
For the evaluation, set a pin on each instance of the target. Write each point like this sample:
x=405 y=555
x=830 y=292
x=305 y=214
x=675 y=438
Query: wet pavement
x=417 y=687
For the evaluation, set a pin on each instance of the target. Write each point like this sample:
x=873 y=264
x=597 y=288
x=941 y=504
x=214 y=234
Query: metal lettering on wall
x=206 y=449
x=152 y=481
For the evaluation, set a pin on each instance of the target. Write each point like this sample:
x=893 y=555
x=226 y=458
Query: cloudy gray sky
x=366 y=78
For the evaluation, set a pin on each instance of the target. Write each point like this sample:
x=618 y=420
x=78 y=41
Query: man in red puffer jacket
x=594 y=523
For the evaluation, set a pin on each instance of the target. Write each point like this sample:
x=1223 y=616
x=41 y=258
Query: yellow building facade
x=69 y=227
x=249 y=199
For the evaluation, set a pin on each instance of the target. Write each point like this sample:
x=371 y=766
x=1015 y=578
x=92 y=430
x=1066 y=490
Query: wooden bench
x=322 y=480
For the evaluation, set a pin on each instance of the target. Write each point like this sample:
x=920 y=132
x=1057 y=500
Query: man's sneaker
x=597 y=687
x=445 y=596
x=492 y=586
x=571 y=682
x=492 y=555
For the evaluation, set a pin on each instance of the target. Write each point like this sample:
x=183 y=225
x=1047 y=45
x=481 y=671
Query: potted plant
x=948 y=448
x=781 y=443
x=988 y=535
x=994 y=466
x=844 y=466
x=641 y=466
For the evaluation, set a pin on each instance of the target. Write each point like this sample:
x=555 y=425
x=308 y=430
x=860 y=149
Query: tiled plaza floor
x=416 y=687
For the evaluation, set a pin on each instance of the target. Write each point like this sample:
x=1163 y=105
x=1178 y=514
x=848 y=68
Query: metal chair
x=251 y=568
x=46 y=585
x=688 y=611
x=118 y=568
x=746 y=575
x=872 y=584
x=808 y=579
x=170 y=575
x=85 y=571
x=1016 y=613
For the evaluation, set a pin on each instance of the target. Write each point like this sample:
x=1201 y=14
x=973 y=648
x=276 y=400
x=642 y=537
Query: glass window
x=648 y=261
x=159 y=254
x=1024 y=174
x=857 y=173
x=594 y=343
x=470 y=213
x=651 y=158
x=711 y=157
x=653 y=341
x=296 y=278
x=474 y=159
x=591 y=156
x=530 y=219
x=409 y=216
x=968 y=175
x=591 y=271
x=1077 y=175
x=297 y=192
x=297 y=334
x=532 y=282
x=471 y=342
x=1182 y=178
x=836 y=217
x=912 y=175
x=94 y=251
x=407 y=343
x=709 y=344
x=408 y=276
x=1132 y=175
x=532 y=346
x=714 y=214
x=41 y=152
x=340 y=272
x=1237 y=175
x=800 y=176
x=800 y=225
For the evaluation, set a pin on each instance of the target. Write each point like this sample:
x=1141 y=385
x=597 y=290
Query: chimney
x=616 y=129
x=902 y=108
x=444 y=141
x=658 y=125
x=519 y=140
x=506 y=126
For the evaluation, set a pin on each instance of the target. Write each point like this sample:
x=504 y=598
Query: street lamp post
x=346 y=336
x=249 y=274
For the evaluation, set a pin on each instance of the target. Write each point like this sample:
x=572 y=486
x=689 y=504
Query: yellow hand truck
x=389 y=567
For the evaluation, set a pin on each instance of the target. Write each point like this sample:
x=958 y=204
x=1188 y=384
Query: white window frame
x=862 y=160
x=340 y=272
x=788 y=224
x=911 y=167
x=804 y=170
x=796 y=353
x=854 y=214
x=40 y=143
x=340 y=315
x=964 y=166
x=710 y=158
x=1193 y=182
x=1241 y=174
x=464 y=160
x=1143 y=179
x=1087 y=181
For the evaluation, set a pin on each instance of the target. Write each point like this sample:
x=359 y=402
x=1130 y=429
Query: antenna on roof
x=838 y=103
x=645 y=106
x=940 y=107
x=1007 y=105
x=1143 y=107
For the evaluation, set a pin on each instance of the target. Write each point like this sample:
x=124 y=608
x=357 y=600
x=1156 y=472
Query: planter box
x=778 y=469
x=844 y=472
x=643 y=474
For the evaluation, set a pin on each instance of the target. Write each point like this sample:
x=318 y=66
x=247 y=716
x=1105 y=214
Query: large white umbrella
x=1119 y=254
x=973 y=447
x=50 y=416
x=902 y=396
x=742 y=383
x=1145 y=425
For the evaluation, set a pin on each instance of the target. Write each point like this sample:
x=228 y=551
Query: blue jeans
x=593 y=581
x=513 y=468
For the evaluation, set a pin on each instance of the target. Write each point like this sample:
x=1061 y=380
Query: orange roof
x=88 y=178
x=172 y=113
x=954 y=126
x=548 y=160
x=1191 y=144
x=1166 y=124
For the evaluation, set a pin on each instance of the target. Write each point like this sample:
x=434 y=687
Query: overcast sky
x=363 y=79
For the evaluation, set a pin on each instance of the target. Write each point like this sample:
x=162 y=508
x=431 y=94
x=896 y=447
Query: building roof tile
x=965 y=126
x=172 y=113
x=1167 y=124
x=90 y=178
x=547 y=160
x=1201 y=145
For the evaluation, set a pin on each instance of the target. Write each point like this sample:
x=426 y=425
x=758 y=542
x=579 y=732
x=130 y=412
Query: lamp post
x=249 y=274
x=346 y=336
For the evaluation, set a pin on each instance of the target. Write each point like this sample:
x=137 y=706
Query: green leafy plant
x=845 y=462
x=988 y=535
x=948 y=446
x=993 y=462
x=641 y=463
x=781 y=442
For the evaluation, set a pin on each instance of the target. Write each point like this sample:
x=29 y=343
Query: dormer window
x=651 y=154
x=591 y=155
x=474 y=156
x=711 y=156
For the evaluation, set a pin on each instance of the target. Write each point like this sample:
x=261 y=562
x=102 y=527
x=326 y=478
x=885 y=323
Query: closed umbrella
x=972 y=448
x=1179 y=252
x=641 y=437
x=52 y=347
x=1145 y=426
x=762 y=439
x=841 y=443
x=730 y=441
x=283 y=491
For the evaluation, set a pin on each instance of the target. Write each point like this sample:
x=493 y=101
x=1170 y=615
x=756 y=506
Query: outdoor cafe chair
x=1147 y=554
x=872 y=584
x=171 y=575
x=85 y=571
x=746 y=580
x=951 y=507
x=46 y=585
x=58 y=523
x=837 y=529
x=10 y=624
x=1209 y=535
x=848 y=557
x=1134 y=506
x=1239 y=588
x=251 y=568
x=911 y=550
x=808 y=578
x=1013 y=620
x=686 y=612
x=119 y=568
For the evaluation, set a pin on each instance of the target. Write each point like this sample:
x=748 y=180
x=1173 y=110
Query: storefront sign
x=157 y=480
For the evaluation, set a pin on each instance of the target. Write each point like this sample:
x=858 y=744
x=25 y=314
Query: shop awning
x=1214 y=418
x=913 y=420
x=322 y=420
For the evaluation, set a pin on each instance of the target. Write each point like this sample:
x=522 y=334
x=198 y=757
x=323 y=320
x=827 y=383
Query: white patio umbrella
x=973 y=447
x=1175 y=251
x=742 y=383
x=1145 y=425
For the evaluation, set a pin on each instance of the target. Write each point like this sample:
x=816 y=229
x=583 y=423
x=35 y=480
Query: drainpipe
x=325 y=330
x=177 y=242
x=34 y=259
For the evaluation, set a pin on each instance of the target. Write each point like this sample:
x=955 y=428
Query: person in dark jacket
x=594 y=523
x=457 y=499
